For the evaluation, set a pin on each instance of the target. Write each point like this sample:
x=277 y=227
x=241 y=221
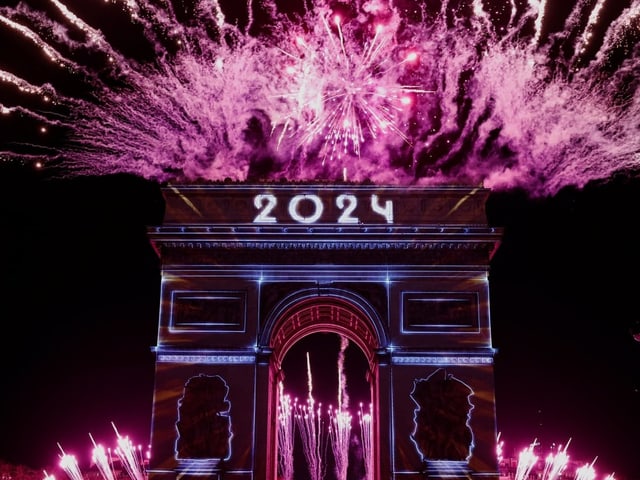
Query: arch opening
x=324 y=388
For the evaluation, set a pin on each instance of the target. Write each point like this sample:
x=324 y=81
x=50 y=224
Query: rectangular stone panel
x=439 y=311
x=220 y=311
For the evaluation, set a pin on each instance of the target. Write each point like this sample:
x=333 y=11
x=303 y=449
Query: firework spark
x=130 y=456
x=365 y=101
x=527 y=459
x=556 y=464
x=311 y=427
x=339 y=438
x=366 y=439
x=586 y=472
x=70 y=466
x=340 y=419
x=285 y=435
x=102 y=461
x=364 y=91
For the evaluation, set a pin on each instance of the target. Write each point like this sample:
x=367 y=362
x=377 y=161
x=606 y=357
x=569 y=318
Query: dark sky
x=80 y=296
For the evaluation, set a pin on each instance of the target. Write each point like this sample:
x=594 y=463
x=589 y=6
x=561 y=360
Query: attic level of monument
x=332 y=222
x=343 y=205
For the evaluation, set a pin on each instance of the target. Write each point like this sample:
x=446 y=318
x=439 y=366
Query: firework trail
x=586 y=472
x=526 y=461
x=343 y=396
x=310 y=426
x=102 y=461
x=366 y=439
x=130 y=457
x=340 y=419
x=556 y=464
x=339 y=437
x=69 y=465
x=420 y=93
x=285 y=435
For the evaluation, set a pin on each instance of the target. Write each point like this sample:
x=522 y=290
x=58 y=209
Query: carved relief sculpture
x=204 y=425
x=441 y=430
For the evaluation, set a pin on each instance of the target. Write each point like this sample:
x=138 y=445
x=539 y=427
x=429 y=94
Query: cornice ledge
x=329 y=245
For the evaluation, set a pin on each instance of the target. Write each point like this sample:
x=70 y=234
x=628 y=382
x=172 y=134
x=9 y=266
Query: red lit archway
x=322 y=313
x=326 y=313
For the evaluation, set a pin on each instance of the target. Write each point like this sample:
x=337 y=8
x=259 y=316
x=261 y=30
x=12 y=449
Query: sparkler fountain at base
x=556 y=465
x=128 y=458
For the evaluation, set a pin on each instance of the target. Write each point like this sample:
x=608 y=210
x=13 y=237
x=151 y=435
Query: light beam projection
x=410 y=92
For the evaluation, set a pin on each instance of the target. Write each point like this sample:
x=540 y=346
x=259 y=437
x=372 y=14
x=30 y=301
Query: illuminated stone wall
x=249 y=270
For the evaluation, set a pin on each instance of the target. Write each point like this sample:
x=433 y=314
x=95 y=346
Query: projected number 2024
x=309 y=208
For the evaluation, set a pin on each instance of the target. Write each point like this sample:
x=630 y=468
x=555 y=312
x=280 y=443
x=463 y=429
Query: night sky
x=79 y=300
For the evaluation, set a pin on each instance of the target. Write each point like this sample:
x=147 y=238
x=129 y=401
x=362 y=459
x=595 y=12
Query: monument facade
x=250 y=270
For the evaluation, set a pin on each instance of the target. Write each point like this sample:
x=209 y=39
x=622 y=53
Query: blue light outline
x=467 y=422
x=372 y=315
x=208 y=295
x=440 y=329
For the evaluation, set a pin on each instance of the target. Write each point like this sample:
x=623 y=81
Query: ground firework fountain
x=285 y=435
x=332 y=446
x=125 y=458
x=556 y=465
x=364 y=420
x=310 y=425
x=391 y=92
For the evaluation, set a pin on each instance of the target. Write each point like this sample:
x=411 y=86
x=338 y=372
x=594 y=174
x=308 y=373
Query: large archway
x=329 y=312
